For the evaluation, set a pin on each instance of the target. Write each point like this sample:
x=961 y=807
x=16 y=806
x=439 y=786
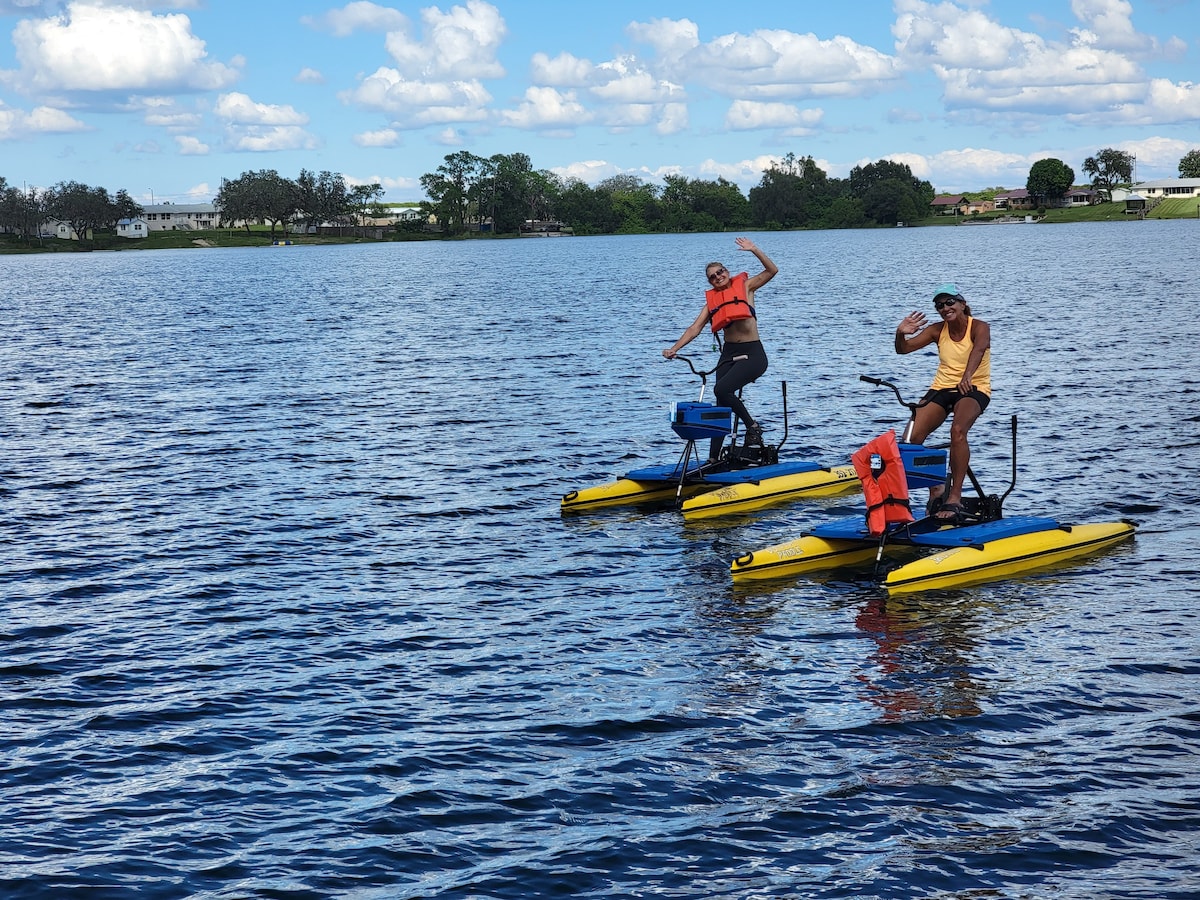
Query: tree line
x=254 y=198
x=23 y=211
x=267 y=198
x=503 y=193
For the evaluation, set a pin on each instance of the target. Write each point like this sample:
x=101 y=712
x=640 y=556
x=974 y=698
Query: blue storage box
x=696 y=421
x=923 y=466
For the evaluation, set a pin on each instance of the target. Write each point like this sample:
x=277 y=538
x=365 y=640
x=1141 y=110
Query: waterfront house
x=1169 y=188
x=132 y=228
x=1014 y=199
x=947 y=204
x=180 y=216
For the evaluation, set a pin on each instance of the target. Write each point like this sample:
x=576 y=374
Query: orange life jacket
x=887 y=492
x=729 y=305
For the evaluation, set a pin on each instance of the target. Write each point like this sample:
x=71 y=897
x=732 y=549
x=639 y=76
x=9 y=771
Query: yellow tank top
x=952 y=362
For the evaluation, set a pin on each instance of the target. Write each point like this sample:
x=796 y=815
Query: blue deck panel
x=851 y=528
x=854 y=528
x=965 y=535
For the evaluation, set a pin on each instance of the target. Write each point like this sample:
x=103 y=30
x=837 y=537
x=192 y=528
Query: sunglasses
x=939 y=304
x=715 y=272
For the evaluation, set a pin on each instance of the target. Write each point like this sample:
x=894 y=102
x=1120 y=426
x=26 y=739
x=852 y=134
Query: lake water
x=290 y=609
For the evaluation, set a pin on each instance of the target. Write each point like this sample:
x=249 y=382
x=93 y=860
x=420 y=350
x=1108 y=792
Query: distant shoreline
x=222 y=239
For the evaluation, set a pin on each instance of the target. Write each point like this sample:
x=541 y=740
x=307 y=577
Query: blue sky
x=164 y=99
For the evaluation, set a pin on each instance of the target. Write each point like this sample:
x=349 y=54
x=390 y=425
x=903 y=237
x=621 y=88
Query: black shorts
x=947 y=397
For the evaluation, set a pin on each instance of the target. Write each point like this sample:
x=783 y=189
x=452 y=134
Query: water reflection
x=921 y=667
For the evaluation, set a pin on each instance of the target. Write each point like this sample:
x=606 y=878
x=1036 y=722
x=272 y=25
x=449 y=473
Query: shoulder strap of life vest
x=885 y=490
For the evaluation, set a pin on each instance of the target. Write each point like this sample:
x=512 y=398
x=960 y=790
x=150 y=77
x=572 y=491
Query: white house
x=56 y=228
x=132 y=228
x=1169 y=188
x=180 y=216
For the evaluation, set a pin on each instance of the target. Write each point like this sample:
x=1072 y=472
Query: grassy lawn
x=1183 y=208
x=258 y=236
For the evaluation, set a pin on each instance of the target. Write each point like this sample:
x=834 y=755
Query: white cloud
x=416 y=103
x=591 y=171
x=190 y=146
x=94 y=48
x=1158 y=153
x=672 y=39
x=264 y=138
x=777 y=64
x=746 y=172
x=238 y=108
x=627 y=82
x=744 y=115
x=357 y=16
x=17 y=123
x=309 y=76
x=173 y=119
x=546 y=107
x=966 y=169
x=388 y=183
x=986 y=66
x=1166 y=102
x=564 y=70
x=1109 y=24
x=460 y=44
x=385 y=137
x=672 y=119
x=259 y=127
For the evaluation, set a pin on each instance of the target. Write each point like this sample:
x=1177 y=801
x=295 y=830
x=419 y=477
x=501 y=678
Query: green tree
x=634 y=203
x=1108 y=168
x=844 y=212
x=791 y=194
x=545 y=188
x=123 y=207
x=585 y=209
x=698 y=205
x=1049 y=179
x=276 y=198
x=22 y=212
x=890 y=192
x=890 y=201
x=452 y=188
x=321 y=198
x=235 y=201
x=365 y=200
x=82 y=207
x=511 y=192
x=265 y=197
x=1189 y=166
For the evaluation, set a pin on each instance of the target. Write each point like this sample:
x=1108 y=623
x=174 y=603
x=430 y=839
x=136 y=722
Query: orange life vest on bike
x=887 y=492
x=729 y=305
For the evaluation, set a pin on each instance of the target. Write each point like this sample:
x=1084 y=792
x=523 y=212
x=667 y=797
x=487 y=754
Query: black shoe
x=754 y=435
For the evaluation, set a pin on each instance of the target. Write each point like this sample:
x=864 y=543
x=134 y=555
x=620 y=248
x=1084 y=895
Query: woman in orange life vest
x=962 y=384
x=729 y=304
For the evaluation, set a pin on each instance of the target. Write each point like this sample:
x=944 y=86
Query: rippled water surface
x=290 y=609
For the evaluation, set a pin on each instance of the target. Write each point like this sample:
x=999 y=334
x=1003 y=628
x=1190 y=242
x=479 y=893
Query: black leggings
x=740 y=364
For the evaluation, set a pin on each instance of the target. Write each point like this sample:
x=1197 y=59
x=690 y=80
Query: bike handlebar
x=879 y=382
x=703 y=376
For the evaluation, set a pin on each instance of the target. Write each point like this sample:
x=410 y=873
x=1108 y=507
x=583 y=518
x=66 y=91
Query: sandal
x=955 y=511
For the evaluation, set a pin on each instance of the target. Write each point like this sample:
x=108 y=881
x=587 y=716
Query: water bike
x=747 y=476
x=978 y=543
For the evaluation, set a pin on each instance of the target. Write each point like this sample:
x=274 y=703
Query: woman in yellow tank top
x=962 y=384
